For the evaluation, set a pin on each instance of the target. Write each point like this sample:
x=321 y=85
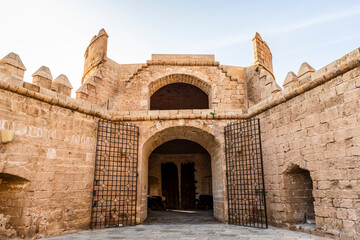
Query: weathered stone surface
x=53 y=150
x=42 y=77
x=310 y=132
x=290 y=79
x=44 y=72
x=305 y=68
x=62 y=80
x=62 y=85
x=12 y=65
x=310 y=138
x=96 y=51
x=14 y=60
x=304 y=73
x=262 y=54
x=189 y=225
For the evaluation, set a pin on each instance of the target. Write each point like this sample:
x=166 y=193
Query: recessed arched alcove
x=179 y=91
x=179 y=96
x=14 y=200
x=298 y=187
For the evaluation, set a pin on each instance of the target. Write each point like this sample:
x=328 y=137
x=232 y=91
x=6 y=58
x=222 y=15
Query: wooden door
x=187 y=186
x=170 y=185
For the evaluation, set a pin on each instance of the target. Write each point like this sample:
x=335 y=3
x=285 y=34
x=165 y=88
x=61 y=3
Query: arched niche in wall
x=15 y=204
x=298 y=187
x=179 y=91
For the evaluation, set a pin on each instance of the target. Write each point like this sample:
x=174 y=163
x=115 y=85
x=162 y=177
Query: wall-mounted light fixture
x=6 y=136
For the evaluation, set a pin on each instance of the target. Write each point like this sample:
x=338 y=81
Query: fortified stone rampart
x=46 y=171
x=317 y=131
x=309 y=132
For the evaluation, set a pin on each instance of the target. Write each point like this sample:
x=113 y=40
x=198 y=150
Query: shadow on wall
x=13 y=195
x=298 y=187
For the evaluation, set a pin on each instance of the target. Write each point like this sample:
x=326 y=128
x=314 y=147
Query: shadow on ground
x=180 y=217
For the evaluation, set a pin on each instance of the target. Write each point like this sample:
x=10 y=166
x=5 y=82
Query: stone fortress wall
x=310 y=130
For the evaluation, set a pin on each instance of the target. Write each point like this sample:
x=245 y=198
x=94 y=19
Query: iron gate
x=115 y=181
x=245 y=175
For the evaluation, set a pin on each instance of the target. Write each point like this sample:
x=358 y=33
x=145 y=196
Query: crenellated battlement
x=96 y=52
x=58 y=93
x=11 y=67
x=108 y=78
x=11 y=64
x=50 y=144
x=262 y=53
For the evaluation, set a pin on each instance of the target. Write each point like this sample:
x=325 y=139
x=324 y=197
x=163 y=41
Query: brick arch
x=179 y=78
x=207 y=141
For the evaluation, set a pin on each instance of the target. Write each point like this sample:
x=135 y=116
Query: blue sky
x=56 y=33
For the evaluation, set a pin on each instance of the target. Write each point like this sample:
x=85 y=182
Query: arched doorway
x=172 y=136
x=180 y=177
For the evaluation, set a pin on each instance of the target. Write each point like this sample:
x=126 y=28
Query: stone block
x=42 y=77
x=13 y=66
x=291 y=80
x=31 y=87
x=305 y=71
x=62 y=85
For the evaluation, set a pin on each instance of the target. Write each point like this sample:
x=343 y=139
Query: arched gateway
x=234 y=173
x=199 y=136
x=205 y=143
x=177 y=161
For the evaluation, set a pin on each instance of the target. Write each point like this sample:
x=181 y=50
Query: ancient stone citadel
x=186 y=130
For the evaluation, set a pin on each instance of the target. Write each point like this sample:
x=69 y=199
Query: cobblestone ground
x=186 y=225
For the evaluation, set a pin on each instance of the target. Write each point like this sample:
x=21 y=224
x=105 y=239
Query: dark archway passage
x=180 y=177
x=212 y=172
x=179 y=96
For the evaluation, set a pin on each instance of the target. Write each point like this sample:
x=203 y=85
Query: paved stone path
x=194 y=225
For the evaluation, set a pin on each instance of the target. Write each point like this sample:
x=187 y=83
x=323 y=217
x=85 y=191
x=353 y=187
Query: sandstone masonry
x=310 y=132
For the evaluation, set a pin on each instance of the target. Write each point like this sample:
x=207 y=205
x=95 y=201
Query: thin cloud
x=353 y=11
x=321 y=45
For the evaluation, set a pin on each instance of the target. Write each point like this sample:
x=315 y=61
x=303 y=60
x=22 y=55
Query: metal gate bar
x=115 y=179
x=245 y=174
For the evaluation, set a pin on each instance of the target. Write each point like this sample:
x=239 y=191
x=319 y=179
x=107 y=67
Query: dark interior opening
x=188 y=185
x=179 y=96
x=180 y=177
x=169 y=185
x=299 y=187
